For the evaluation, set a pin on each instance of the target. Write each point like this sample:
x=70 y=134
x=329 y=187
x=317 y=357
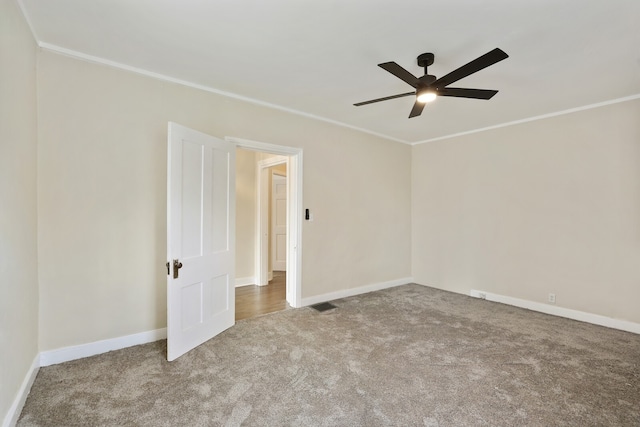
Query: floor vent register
x=323 y=306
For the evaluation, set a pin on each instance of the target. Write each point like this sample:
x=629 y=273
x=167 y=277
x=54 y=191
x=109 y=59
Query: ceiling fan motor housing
x=427 y=79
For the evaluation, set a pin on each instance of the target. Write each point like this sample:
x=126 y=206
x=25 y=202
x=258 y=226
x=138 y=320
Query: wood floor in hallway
x=255 y=300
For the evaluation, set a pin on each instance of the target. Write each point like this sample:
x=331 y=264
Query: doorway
x=285 y=287
x=261 y=190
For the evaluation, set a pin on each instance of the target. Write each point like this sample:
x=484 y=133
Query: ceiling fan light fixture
x=427 y=95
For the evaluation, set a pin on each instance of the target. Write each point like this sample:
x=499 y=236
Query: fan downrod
x=425 y=60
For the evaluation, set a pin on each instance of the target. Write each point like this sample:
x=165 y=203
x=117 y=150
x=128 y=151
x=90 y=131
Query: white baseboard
x=12 y=416
x=66 y=354
x=245 y=281
x=354 y=291
x=596 y=319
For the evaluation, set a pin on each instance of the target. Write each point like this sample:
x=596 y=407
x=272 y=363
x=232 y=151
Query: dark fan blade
x=384 y=99
x=400 y=73
x=496 y=55
x=417 y=109
x=467 y=93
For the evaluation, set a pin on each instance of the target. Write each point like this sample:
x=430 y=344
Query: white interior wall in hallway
x=246 y=194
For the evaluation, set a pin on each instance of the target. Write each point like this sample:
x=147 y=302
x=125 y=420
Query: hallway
x=255 y=300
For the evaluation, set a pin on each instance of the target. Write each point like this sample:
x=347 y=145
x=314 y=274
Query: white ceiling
x=319 y=57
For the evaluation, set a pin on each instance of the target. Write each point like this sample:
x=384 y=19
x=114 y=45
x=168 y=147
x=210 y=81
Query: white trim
x=532 y=119
x=245 y=281
x=11 y=418
x=275 y=265
x=294 y=229
x=266 y=147
x=263 y=272
x=98 y=60
x=272 y=161
x=294 y=211
x=53 y=357
x=355 y=291
x=582 y=316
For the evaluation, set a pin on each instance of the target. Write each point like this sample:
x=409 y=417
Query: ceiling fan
x=428 y=87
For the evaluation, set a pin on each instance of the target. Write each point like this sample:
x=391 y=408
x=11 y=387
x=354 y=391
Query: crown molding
x=534 y=118
x=102 y=61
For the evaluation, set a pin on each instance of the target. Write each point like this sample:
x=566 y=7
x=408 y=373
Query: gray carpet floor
x=406 y=356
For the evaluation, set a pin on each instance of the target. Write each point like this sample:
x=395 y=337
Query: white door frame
x=262 y=265
x=294 y=216
x=276 y=175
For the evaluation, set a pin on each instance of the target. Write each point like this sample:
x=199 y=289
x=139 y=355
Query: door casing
x=263 y=269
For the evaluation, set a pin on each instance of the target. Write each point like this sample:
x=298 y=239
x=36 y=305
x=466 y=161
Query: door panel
x=279 y=223
x=201 y=225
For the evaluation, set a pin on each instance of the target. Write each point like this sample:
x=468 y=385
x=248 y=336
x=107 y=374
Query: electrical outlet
x=552 y=298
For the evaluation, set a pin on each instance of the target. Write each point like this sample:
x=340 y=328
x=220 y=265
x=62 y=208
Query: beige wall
x=246 y=194
x=102 y=196
x=550 y=206
x=281 y=169
x=18 y=209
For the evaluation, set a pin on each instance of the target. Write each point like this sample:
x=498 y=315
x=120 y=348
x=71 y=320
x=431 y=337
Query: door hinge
x=168 y=268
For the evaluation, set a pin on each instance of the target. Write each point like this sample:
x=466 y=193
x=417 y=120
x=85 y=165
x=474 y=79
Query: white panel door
x=200 y=238
x=279 y=222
